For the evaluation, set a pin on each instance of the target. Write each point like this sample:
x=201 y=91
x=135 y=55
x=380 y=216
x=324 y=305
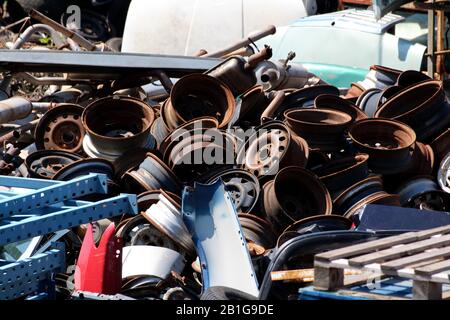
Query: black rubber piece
x=224 y=293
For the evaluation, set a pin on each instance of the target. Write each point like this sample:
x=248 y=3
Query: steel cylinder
x=14 y=108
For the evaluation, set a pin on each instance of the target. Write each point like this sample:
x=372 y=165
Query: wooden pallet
x=421 y=256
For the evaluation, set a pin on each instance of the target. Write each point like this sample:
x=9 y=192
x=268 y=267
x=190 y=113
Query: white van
x=183 y=27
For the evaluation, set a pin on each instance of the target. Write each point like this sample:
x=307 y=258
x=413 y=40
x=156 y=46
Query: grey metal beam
x=104 y=65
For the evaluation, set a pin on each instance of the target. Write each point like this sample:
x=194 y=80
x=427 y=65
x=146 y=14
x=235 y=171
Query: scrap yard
x=238 y=150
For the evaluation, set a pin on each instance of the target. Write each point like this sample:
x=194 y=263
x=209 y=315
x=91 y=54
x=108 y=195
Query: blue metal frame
x=46 y=194
x=46 y=207
x=26 y=276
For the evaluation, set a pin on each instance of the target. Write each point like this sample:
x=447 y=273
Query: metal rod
x=12 y=25
x=440 y=68
x=244 y=42
x=277 y=100
x=430 y=44
x=68 y=33
x=439 y=52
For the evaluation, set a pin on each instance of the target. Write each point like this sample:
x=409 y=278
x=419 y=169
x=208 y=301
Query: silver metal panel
x=210 y=216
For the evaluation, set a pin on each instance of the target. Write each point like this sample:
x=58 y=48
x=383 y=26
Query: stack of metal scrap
x=230 y=166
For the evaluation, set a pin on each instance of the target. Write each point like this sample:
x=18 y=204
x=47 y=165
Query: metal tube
x=26 y=35
x=14 y=108
x=43 y=107
x=15 y=134
x=430 y=45
x=244 y=42
x=273 y=106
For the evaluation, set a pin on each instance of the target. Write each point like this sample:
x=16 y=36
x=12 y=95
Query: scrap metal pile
x=295 y=156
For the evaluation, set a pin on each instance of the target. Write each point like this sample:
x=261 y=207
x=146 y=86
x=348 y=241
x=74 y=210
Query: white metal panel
x=183 y=27
x=258 y=14
x=150 y=261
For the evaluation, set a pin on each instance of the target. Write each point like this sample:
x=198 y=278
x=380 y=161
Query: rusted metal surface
x=340 y=174
x=45 y=164
x=61 y=129
x=117 y=124
x=152 y=174
x=276 y=157
x=387 y=142
x=360 y=190
x=272 y=147
x=83 y=167
x=200 y=124
x=323 y=129
x=253 y=103
x=195 y=96
x=258 y=231
x=237 y=72
x=306 y=96
x=441 y=146
x=410 y=77
x=422 y=106
x=295 y=194
x=329 y=101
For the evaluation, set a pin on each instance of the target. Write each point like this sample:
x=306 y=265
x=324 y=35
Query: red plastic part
x=99 y=269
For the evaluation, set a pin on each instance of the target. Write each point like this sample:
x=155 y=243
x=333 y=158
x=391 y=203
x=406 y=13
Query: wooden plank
x=433 y=268
x=414 y=259
x=302 y=275
x=328 y=279
x=380 y=244
x=407 y=249
x=425 y=290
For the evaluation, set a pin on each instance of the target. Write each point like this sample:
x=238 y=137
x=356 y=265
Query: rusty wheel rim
x=300 y=194
x=264 y=151
x=61 y=128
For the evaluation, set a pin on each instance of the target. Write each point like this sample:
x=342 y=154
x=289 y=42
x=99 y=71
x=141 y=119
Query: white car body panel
x=183 y=27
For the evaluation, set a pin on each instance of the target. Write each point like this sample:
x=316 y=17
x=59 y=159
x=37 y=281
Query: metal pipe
x=256 y=58
x=243 y=52
x=277 y=100
x=26 y=35
x=244 y=42
x=68 y=33
x=16 y=134
x=14 y=108
x=43 y=107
